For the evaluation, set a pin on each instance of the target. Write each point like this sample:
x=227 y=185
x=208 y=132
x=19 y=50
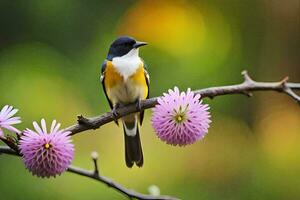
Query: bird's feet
x=115 y=113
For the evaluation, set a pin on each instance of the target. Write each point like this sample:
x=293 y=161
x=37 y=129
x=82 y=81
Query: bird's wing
x=102 y=77
x=147 y=77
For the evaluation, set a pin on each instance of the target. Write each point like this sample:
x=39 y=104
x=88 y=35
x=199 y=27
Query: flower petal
x=7 y=119
x=53 y=125
x=37 y=127
x=44 y=127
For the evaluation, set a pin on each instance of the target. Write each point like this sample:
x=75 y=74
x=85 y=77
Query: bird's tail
x=133 y=147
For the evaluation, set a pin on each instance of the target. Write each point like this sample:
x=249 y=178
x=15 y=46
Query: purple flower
x=7 y=119
x=46 y=154
x=180 y=118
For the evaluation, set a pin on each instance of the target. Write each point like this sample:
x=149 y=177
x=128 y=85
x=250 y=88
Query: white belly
x=126 y=92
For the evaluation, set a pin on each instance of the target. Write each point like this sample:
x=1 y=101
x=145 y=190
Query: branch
x=95 y=175
x=245 y=88
x=110 y=183
x=7 y=150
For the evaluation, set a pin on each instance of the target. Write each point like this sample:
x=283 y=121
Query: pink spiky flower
x=7 y=119
x=45 y=153
x=180 y=118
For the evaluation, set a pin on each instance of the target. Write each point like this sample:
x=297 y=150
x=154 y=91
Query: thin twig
x=109 y=182
x=245 y=88
x=9 y=141
x=8 y=150
x=95 y=156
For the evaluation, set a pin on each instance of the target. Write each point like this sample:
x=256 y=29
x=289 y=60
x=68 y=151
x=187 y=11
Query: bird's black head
x=122 y=45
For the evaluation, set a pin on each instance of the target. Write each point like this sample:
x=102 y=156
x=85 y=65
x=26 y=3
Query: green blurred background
x=50 y=56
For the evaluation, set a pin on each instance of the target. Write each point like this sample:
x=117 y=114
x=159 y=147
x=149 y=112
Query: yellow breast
x=140 y=79
x=120 y=90
x=112 y=77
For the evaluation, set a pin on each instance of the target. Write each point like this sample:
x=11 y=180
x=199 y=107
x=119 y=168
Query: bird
x=125 y=80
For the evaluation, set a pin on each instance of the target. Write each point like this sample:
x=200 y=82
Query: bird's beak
x=139 y=44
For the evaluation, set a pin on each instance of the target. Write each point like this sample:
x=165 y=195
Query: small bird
x=125 y=80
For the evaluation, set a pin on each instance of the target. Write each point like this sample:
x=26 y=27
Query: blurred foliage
x=50 y=57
